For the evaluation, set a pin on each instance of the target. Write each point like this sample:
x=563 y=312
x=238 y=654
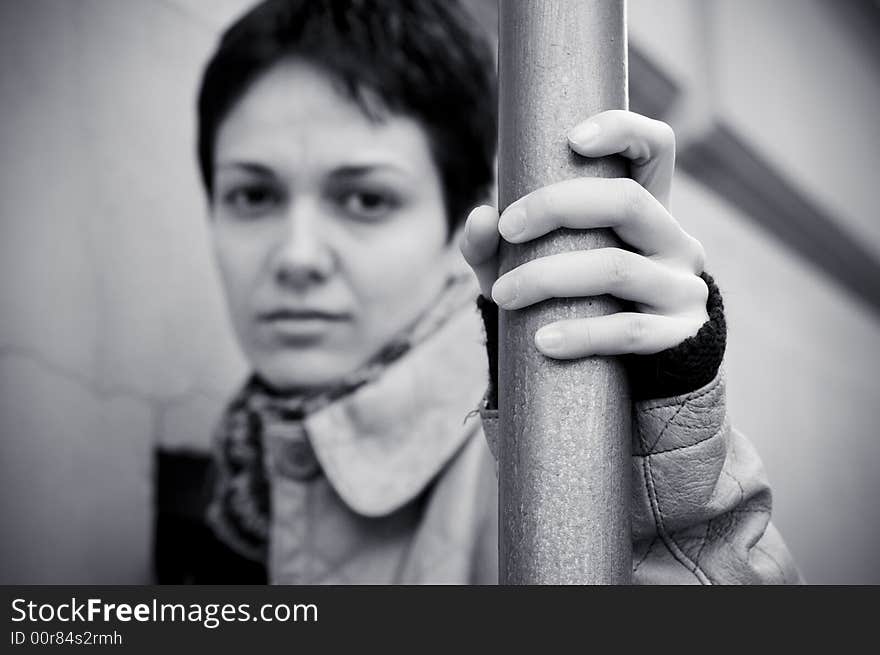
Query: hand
x=661 y=278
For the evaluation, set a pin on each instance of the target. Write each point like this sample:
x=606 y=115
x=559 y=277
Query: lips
x=300 y=327
x=302 y=314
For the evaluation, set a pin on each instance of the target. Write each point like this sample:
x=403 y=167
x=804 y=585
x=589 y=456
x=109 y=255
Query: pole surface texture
x=564 y=474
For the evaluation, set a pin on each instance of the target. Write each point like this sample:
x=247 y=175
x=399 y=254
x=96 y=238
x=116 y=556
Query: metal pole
x=564 y=474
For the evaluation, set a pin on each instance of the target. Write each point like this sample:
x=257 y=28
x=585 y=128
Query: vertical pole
x=564 y=474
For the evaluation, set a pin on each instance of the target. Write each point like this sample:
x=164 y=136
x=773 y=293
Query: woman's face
x=329 y=229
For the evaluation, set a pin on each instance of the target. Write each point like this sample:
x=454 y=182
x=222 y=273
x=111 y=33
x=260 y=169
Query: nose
x=304 y=255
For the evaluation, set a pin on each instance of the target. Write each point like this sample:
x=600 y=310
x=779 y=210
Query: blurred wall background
x=113 y=338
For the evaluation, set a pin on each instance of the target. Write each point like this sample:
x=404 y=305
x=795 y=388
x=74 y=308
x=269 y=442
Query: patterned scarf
x=240 y=511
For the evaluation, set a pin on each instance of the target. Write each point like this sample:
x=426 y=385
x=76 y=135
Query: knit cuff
x=489 y=312
x=681 y=369
x=690 y=365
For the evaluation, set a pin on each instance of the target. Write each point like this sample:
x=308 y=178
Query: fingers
x=585 y=203
x=663 y=280
x=615 y=334
x=480 y=245
x=649 y=144
x=613 y=271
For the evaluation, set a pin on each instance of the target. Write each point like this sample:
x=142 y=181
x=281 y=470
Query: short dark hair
x=422 y=58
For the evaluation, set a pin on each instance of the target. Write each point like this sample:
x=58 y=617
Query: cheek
x=400 y=273
x=239 y=267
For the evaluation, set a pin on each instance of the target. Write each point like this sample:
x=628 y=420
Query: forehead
x=293 y=114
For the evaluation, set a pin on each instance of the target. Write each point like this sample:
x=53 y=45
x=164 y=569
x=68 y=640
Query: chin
x=303 y=372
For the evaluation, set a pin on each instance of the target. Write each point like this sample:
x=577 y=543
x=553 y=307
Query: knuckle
x=686 y=329
x=544 y=206
x=618 y=267
x=632 y=200
x=699 y=257
x=466 y=248
x=588 y=337
x=696 y=255
x=471 y=254
x=666 y=134
x=635 y=329
x=702 y=291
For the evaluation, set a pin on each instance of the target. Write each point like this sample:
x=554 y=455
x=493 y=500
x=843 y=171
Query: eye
x=251 y=199
x=368 y=204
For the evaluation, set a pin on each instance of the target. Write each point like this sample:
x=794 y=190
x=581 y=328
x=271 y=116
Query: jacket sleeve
x=701 y=502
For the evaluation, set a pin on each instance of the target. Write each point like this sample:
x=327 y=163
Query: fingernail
x=549 y=338
x=512 y=223
x=584 y=133
x=504 y=291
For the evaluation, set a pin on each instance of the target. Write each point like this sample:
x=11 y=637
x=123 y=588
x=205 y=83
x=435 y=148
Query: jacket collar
x=381 y=445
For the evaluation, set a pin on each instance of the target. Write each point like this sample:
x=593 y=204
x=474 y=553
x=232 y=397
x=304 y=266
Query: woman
x=341 y=145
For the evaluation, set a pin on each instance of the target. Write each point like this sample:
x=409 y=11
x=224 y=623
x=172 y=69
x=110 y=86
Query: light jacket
x=407 y=486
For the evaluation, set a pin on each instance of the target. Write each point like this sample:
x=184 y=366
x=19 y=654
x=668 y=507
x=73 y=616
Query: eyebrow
x=250 y=167
x=342 y=172
x=360 y=170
